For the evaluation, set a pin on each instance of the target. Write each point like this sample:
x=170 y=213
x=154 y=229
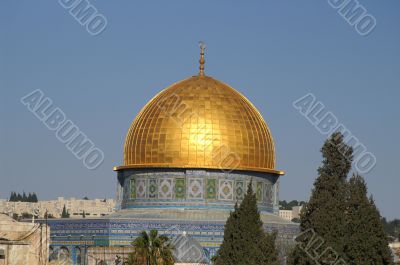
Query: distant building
x=286 y=214
x=75 y=207
x=23 y=243
x=291 y=214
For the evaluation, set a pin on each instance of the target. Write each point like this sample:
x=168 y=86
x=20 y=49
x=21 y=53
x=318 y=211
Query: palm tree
x=151 y=249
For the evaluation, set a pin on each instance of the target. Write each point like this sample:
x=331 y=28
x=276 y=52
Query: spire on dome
x=202 y=46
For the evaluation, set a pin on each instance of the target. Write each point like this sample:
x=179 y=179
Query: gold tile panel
x=200 y=122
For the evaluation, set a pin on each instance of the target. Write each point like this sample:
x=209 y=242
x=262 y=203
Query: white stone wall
x=75 y=207
x=24 y=243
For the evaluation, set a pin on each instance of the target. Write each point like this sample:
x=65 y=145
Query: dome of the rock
x=200 y=122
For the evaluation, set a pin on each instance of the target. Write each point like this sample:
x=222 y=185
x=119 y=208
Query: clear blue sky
x=272 y=51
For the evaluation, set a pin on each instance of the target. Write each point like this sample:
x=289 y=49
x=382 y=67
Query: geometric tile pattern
x=112 y=232
x=180 y=188
x=259 y=191
x=276 y=192
x=240 y=190
x=199 y=188
x=211 y=189
x=196 y=188
x=141 y=188
x=225 y=189
x=153 y=188
x=132 y=188
x=165 y=188
x=268 y=194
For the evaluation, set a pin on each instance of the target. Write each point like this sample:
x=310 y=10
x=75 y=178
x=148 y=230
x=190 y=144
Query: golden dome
x=200 y=122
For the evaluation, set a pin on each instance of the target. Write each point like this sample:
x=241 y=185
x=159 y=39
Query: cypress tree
x=64 y=213
x=24 y=198
x=324 y=213
x=383 y=254
x=13 y=196
x=19 y=198
x=34 y=197
x=229 y=247
x=245 y=241
x=367 y=243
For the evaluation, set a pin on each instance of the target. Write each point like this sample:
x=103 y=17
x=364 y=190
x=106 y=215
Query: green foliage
x=245 y=241
x=17 y=197
x=296 y=220
x=341 y=214
x=366 y=241
x=13 y=197
x=27 y=216
x=151 y=249
x=33 y=197
x=284 y=205
x=324 y=211
x=64 y=213
x=392 y=228
x=50 y=216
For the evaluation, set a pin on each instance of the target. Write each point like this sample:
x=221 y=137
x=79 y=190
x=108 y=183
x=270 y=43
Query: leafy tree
x=324 y=211
x=283 y=205
x=367 y=242
x=289 y=205
x=83 y=214
x=392 y=228
x=296 y=220
x=15 y=216
x=245 y=241
x=85 y=198
x=64 y=213
x=151 y=249
x=27 y=215
x=50 y=216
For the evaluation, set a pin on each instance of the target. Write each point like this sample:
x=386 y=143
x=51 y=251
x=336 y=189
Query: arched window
x=63 y=254
x=79 y=257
